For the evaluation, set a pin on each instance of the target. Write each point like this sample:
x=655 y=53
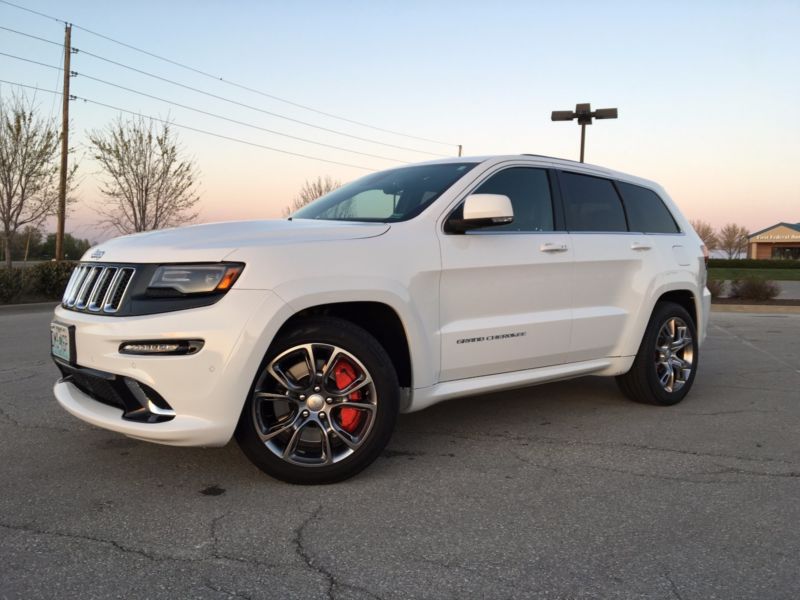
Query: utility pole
x=62 y=183
x=584 y=114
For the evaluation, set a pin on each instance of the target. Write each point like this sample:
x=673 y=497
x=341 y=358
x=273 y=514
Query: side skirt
x=428 y=396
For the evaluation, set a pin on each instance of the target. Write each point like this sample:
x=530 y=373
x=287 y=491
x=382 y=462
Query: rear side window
x=591 y=204
x=646 y=211
x=529 y=192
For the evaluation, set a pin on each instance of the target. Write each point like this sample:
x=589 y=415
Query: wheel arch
x=682 y=297
x=377 y=318
x=678 y=292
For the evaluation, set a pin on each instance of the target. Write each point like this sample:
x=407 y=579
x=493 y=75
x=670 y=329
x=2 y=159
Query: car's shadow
x=555 y=407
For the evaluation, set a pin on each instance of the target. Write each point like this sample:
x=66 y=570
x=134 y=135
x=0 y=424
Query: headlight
x=186 y=280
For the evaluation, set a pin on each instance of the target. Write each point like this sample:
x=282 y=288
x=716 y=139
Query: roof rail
x=567 y=160
x=546 y=156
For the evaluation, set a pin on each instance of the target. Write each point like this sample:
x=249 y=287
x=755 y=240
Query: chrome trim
x=163 y=412
x=87 y=288
x=109 y=306
x=95 y=301
x=70 y=285
x=92 y=288
x=73 y=294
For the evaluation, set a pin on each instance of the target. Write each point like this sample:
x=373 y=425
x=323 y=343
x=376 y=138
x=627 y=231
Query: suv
x=305 y=337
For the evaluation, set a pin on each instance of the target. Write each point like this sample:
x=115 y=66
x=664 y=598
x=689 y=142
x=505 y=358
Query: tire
x=324 y=426
x=666 y=364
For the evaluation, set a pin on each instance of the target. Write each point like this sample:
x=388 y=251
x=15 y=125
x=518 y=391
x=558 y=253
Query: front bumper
x=205 y=390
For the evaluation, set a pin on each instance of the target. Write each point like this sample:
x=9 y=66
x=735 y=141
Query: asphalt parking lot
x=561 y=491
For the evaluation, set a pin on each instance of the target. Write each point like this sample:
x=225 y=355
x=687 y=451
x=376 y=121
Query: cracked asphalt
x=564 y=490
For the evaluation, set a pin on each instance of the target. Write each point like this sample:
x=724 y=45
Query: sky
x=706 y=91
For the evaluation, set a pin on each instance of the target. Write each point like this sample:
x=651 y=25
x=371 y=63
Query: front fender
x=419 y=319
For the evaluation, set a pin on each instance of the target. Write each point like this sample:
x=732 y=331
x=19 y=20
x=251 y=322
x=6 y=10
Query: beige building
x=779 y=241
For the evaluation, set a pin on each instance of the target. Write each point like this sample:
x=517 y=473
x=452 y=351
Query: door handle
x=640 y=246
x=550 y=247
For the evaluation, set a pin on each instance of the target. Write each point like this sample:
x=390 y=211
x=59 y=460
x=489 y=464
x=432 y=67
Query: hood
x=214 y=241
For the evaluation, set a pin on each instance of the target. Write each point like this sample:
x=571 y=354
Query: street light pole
x=583 y=139
x=583 y=113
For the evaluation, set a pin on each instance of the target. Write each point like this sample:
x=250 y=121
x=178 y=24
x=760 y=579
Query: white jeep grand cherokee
x=305 y=337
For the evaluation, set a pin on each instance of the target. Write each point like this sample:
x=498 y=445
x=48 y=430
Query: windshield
x=388 y=196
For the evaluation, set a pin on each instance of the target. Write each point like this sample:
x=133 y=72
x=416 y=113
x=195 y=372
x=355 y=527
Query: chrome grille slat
x=118 y=288
x=97 y=288
x=70 y=285
x=73 y=283
x=73 y=296
x=87 y=287
x=98 y=295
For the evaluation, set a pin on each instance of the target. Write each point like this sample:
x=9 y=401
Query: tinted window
x=529 y=192
x=646 y=211
x=388 y=196
x=591 y=204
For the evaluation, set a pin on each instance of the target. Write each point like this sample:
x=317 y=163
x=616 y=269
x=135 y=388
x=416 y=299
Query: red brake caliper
x=345 y=374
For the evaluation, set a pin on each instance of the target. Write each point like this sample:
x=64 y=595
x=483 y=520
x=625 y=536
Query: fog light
x=161 y=347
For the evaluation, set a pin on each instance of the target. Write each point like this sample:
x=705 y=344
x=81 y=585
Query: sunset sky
x=706 y=91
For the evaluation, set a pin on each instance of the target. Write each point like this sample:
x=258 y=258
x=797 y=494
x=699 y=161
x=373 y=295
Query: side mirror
x=482 y=210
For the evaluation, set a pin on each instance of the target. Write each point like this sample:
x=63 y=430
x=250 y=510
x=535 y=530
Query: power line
x=237 y=122
x=204 y=112
x=257 y=109
x=233 y=83
x=261 y=93
x=29 y=60
x=189 y=128
x=235 y=102
x=30 y=35
x=30 y=10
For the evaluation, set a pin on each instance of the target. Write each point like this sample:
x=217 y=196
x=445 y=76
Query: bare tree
x=733 y=240
x=29 y=148
x=148 y=185
x=311 y=190
x=706 y=233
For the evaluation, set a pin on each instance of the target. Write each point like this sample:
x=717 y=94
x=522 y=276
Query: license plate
x=61 y=341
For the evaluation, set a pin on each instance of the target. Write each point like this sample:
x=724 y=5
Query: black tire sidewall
x=341 y=333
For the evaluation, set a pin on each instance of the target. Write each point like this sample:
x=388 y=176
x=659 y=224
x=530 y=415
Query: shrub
x=49 y=279
x=752 y=263
x=12 y=285
x=716 y=287
x=752 y=288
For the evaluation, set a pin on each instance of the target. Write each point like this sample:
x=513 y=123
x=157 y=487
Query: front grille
x=97 y=288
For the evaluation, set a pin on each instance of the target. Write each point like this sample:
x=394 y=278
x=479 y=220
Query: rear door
x=505 y=290
x=614 y=267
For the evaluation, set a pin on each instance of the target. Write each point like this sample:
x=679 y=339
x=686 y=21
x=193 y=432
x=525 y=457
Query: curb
x=756 y=308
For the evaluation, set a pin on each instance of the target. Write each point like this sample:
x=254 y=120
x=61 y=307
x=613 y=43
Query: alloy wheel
x=314 y=405
x=674 y=354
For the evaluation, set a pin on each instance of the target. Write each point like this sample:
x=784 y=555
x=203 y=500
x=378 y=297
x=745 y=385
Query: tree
x=311 y=190
x=74 y=247
x=29 y=150
x=27 y=243
x=706 y=233
x=733 y=240
x=147 y=184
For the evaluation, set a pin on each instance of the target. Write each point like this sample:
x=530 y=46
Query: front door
x=505 y=290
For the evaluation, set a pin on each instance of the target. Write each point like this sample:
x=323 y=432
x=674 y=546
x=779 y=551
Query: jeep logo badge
x=97 y=254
